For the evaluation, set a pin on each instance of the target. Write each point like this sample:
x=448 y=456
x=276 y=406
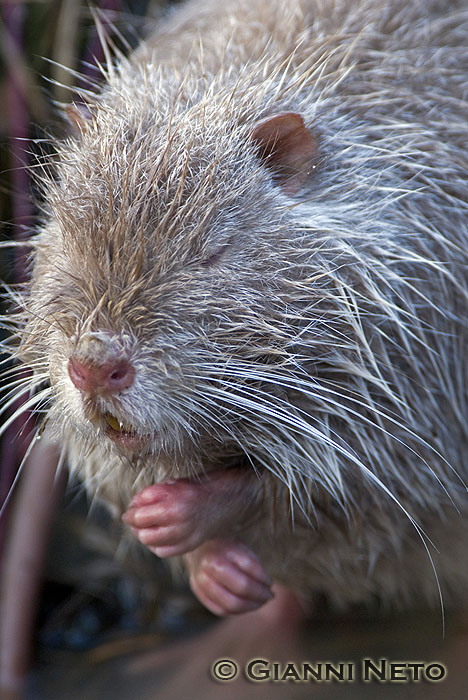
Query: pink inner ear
x=287 y=147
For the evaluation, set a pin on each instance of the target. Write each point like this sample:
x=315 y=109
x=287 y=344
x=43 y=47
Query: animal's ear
x=287 y=147
x=79 y=117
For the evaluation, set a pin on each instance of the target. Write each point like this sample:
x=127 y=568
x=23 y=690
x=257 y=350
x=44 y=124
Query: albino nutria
x=249 y=295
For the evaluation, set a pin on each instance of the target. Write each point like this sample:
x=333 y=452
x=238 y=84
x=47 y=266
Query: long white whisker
x=18 y=472
x=37 y=398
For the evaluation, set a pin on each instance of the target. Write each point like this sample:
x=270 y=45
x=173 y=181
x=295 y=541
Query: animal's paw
x=177 y=516
x=166 y=517
x=227 y=577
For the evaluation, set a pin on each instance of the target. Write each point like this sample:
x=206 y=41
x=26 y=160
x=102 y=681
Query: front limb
x=198 y=519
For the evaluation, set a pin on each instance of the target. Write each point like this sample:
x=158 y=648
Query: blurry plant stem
x=35 y=505
x=15 y=439
x=65 y=49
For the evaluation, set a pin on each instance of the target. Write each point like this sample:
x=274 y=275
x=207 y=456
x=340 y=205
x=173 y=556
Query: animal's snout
x=109 y=377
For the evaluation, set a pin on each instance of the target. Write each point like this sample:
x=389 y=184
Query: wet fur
x=319 y=339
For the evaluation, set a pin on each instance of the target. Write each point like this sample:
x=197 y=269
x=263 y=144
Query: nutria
x=249 y=296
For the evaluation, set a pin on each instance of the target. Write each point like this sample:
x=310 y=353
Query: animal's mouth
x=122 y=434
x=117 y=425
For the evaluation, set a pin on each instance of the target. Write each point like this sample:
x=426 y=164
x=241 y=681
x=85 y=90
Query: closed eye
x=216 y=256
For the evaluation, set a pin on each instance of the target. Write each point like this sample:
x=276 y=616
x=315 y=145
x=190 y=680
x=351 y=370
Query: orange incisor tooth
x=112 y=422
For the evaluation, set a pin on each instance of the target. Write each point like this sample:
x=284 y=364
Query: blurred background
x=111 y=622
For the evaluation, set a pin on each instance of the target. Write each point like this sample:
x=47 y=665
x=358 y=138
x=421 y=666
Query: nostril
x=119 y=375
x=109 y=377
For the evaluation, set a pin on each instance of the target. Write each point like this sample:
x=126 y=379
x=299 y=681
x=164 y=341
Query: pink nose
x=111 y=377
